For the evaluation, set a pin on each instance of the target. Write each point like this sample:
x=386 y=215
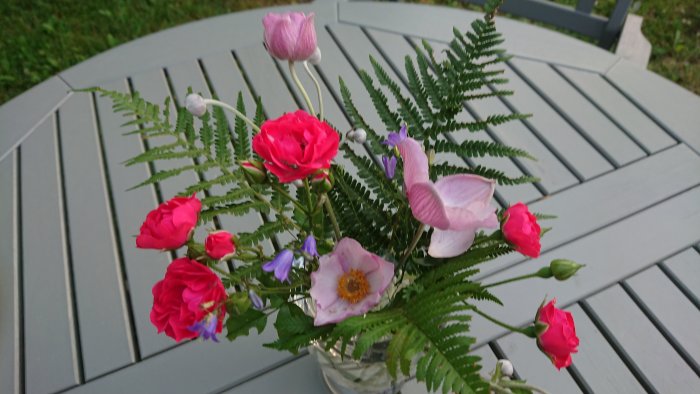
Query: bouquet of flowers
x=373 y=238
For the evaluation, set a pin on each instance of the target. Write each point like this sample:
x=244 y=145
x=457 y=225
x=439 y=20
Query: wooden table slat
x=686 y=268
x=105 y=333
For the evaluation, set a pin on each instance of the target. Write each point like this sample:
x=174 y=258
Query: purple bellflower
x=206 y=328
x=395 y=138
x=282 y=265
x=389 y=166
x=255 y=299
x=309 y=246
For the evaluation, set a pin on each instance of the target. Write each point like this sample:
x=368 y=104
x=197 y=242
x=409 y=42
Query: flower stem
x=235 y=111
x=308 y=204
x=293 y=71
x=331 y=215
x=318 y=88
x=500 y=323
x=288 y=197
x=517 y=278
x=414 y=242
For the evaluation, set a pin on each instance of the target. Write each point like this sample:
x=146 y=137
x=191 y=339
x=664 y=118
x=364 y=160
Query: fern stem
x=308 y=204
x=414 y=242
x=318 y=88
x=234 y=110
x=288 y=197
x=518 y=385
x=295 y=77
x=331 y=215
x=517 y=278
x=500 y=323
x=219 y=270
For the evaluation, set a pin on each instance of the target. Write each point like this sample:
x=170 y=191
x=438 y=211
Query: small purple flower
x=255 y=299
x=281 y=264
x=389 y=166
x=395 y=138
x=309 y=246
x=206 y=328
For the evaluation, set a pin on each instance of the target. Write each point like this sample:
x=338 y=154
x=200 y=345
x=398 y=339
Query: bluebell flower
x=395 y=138
x=206 y=328
x=309 y=246
x=255 y=299
x=281 y=264
x=389 y=166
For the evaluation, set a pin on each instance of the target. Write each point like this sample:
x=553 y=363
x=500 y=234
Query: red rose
x=559 y=340
x=170 y=225
x=189 y=292
x=219 y=245
x=296 y=145
x=521 y=229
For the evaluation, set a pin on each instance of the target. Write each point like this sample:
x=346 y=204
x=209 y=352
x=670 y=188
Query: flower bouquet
x=369 y=241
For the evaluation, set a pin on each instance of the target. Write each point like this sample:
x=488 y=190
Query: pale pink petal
x=427 y=206
x=380 y=279
x=415 y=163
x=333 y=313
x=449 y=243
x=324 y=281
x=352 y=255
x=463 y=189
x=306 y=41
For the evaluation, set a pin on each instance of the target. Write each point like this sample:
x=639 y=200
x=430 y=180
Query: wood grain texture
x=686 y=268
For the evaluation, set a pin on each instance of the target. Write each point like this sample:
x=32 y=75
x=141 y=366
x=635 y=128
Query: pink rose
x=521 y=229
x=559 y=340
x=290 y=36
x=296 y=145
x=189 y=293
x=219 y=245
x=170 y=225
x=349 y=282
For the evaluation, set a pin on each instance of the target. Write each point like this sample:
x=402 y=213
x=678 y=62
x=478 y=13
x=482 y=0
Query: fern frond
x=476 y=148
x=444 y=169
x=241 y=146
x=236 y=209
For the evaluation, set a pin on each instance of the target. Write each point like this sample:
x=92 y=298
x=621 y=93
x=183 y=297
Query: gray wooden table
x=618 y=151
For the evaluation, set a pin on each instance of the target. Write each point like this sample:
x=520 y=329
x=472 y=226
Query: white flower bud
x=195 y=104
x=360 y=136
x=350 y=135
x=315 y=57
x=298 y=183
x=506 y=367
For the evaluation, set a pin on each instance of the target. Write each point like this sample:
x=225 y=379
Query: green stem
x=234 y=110
x=309 y=205
x=318 y=88
x=517 y=278
x=293 y=71
x=517 y=385
x=288 y=197
x=219 y=270
x=500 y=323
x=331 y=215
x=414 y=242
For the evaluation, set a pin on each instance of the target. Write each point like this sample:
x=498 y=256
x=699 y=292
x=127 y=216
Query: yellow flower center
x=353 y=286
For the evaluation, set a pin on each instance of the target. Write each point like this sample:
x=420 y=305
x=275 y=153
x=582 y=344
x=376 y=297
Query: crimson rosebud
x=296 y=145
x=170 y=225
x=520 y=228
x=188 y=294
x=290 y=36
x=559 y=338
x=322 y=181
x=254 y=171
x=219 y=245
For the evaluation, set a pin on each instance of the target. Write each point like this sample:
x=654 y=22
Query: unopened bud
x=195 y=104
x=350 y=135
x=254 y=171
x=360 y=136
x=506 y=367
x=322 y=181
x=564 y=269
x=255 y=299
x=315 y=58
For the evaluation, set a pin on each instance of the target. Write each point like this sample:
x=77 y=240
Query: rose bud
x=290 y=36
x=195 y=104
x=506 y=367
x=558 y=340
x=296 y=145
x=520 y=228
x=219 y=245
x=254 y=171
x=360 y=136
x=322 y=182
x=170 y=225
x=564 y=269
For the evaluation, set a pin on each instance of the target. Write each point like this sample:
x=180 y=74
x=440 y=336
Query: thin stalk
x=517 y=278
x=293 y=71
x=309 y=205
x=288 y=197
x=500 y=323
x=416 y=238
x=318 y=88
x=331 y=215
x=234 y=110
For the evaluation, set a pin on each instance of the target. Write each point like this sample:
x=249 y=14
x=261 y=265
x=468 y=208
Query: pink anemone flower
x=349 y=282
x=456 y=205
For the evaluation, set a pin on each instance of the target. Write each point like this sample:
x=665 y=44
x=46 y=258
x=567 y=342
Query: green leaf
x=240 y=325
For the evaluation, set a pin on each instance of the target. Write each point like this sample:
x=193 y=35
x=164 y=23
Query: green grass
x=40 y=38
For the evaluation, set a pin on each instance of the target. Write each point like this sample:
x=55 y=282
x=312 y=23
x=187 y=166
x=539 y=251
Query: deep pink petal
x=427 y=206
x=450 y=243
x=415 y=163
